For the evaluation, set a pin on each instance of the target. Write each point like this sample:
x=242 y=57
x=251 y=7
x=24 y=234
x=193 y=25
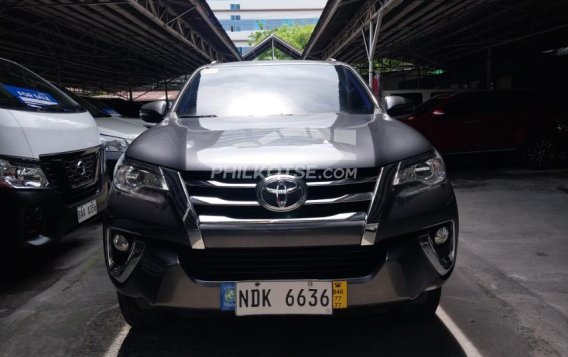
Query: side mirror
x=401 y=109
x=153 y=112
x=398 y=106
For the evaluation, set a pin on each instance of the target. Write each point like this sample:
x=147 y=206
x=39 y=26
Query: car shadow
x=358 y=335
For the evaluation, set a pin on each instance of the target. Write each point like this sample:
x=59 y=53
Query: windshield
x=280 y=89
x=24 y=90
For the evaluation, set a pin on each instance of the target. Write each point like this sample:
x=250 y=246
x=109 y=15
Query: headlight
x=414 y=176
x=143 y=182
x=112 y=143
x=15 y=174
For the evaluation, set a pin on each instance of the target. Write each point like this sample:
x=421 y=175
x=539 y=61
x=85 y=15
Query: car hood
x=31 y=134
x=120 y=128
x=301 y=142
x=138 y=121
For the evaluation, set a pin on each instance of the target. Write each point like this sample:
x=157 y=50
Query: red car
x=484 y=121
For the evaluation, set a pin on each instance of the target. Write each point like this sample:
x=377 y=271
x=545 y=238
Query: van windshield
x=274 y=89
x=23 y=90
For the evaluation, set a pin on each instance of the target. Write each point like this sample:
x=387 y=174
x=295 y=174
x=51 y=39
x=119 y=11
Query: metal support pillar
x=130 y=97
x=419 y=75
x=371 y=45
x=58 y=70
x=272 y=41
x=166 y=91
x=489 y=69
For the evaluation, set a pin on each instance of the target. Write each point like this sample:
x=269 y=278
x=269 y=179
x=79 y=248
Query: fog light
x=441 y=236
x=120 y=243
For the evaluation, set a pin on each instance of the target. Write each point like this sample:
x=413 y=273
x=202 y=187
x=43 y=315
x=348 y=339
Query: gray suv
x=278 y=188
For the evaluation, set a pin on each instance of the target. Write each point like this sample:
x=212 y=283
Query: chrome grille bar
x=342 y=182
x=213 y=183
x=216 y=201
x=220 y=184
x=349 y=216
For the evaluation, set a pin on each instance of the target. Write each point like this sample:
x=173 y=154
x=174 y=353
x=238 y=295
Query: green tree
x=296 y=35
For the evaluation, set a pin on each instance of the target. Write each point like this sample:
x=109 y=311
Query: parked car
x=120 y=108
x=419 y=96
x=116 y=132
x=51 y=161
x=265 y=198
x=485 y=121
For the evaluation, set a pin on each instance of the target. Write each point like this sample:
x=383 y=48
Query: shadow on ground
x=22 y=265
x=373 y=335
x=25 y=273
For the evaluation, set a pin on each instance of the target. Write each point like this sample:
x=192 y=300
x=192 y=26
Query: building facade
x=240 y=18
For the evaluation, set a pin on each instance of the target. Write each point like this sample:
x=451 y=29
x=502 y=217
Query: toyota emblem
x=281 y=193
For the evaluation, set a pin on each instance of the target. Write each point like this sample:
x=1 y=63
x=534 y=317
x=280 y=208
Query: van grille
x=75 y=175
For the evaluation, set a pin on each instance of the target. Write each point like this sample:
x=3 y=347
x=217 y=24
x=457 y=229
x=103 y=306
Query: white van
x=51 y=160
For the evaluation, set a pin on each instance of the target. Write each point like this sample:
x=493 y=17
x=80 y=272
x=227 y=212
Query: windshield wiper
x=198 y=116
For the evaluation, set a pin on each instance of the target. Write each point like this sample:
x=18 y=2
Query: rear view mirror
x=153 y=112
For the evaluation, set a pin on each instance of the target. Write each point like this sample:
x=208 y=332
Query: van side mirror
x=153 y=112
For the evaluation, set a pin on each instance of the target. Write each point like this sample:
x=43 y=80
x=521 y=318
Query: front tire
x=540 y=153
x=138 y=317
x=423 y=308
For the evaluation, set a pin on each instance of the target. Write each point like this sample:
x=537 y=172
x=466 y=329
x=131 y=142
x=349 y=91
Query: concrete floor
x=507 y=296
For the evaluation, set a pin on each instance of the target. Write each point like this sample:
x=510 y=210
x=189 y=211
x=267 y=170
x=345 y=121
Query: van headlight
x=416 y=175
x=15 y=174
x=141 y=181
x=113 y=143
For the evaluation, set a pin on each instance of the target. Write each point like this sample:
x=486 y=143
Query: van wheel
x=540 y=153
x=138 y=317
x=423 y=308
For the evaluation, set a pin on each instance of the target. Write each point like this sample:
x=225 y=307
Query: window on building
x=235 y=28
x=235 y=17
x=235 y=6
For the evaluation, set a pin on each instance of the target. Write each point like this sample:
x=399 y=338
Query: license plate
x=87 y=210
x=284 y=298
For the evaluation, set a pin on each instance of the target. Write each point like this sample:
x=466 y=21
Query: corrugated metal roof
x=111 y=44
x=439 y=32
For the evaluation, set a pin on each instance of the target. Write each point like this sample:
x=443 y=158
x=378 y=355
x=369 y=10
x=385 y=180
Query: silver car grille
x=235 y=201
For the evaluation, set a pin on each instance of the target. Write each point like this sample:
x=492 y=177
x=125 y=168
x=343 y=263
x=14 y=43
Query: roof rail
x=212 y=63
x=331 y=60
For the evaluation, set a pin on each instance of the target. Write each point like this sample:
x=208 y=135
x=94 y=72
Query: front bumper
x=159 y=276
x=157 y=269
x=34 y=217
